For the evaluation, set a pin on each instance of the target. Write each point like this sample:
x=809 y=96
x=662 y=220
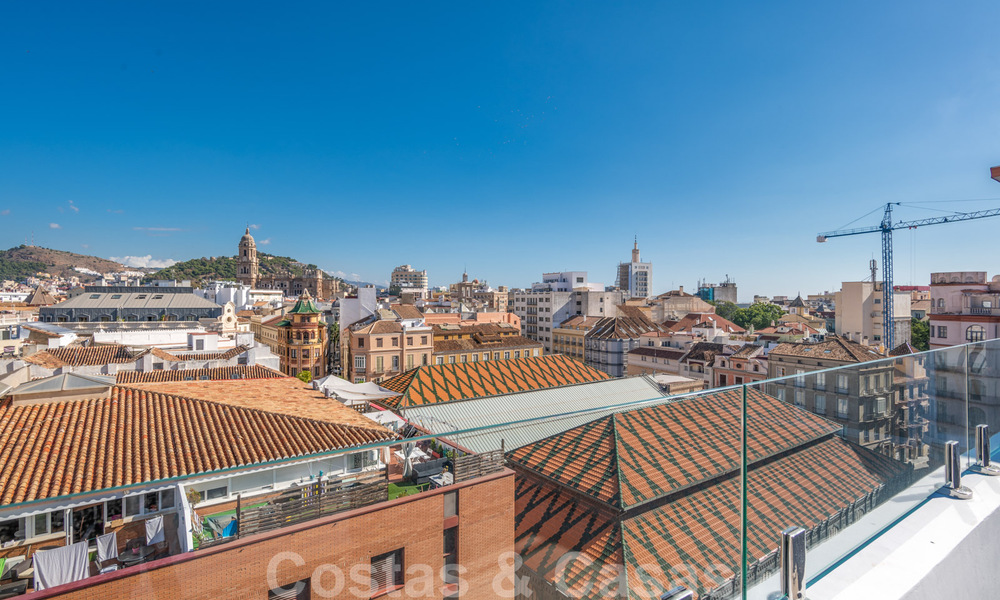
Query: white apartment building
x=558 y=297
x=859 y=309
x=635 y=277
x=409 y=280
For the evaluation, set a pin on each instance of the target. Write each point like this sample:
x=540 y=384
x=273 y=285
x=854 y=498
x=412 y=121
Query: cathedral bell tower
x=246 y=261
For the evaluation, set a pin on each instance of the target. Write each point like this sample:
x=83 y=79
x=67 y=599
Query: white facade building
x=636 y=277
x=558 y=297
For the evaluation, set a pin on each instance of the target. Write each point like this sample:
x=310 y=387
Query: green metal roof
x=304 y=305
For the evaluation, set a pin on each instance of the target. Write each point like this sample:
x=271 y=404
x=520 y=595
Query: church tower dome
x=246 y=261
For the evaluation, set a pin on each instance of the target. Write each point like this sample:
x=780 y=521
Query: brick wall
x=238 y=570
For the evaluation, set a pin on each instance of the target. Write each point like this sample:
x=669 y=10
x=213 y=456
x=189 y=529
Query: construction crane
x=886 y=227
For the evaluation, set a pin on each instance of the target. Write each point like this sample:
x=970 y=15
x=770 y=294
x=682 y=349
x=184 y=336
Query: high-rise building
x=636 y=277
x=408 y=279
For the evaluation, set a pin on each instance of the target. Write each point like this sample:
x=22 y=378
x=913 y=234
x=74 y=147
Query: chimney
x=680 y=289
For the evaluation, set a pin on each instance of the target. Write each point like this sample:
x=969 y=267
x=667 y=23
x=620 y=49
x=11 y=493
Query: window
x=378 y=342
x=506 y=355
x=423 y=340
x=359 y=363
x=439 y=360
x=841 y=384
x=820 y=381
x=387 y=571
x=157 y=366
x=800 y=398
x=361 y=342
x=113 y=509
x=780 y=394
x=975 y=333
x=424 y=359
x=305 y=353
x=395 y=342
x=293 y=591
x=395 y=363
x=880 y=405
x=496 y=356
x=409 y=340
x=800 y=380
x=842 y=408
x=820 y=405
x=46 y=523
x=942 y=331
x=12 y=530
x=95 y=296
x=133 y=506
x=214 y=493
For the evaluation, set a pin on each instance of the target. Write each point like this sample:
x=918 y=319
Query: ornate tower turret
x=246 y=261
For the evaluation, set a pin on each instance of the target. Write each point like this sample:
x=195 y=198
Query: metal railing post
x=953 y=473
x=793 y=563
x=983 y=466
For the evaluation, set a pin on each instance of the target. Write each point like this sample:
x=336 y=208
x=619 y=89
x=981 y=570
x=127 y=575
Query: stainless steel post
x=983 y=465
x=953 y=473
x=793 y=563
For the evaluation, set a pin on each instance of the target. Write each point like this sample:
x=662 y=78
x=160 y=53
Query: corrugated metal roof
x=585 y=402
x=147 y=299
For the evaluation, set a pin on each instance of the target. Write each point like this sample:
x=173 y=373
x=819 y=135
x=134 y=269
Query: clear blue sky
x=512 y=137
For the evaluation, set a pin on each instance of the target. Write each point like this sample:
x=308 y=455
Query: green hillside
x=223 y=268
x=23 y=261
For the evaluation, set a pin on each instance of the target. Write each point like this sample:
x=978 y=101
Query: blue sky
x=508 y=137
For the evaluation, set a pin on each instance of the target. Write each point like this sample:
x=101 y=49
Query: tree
x=758 y=316
x=920 y=334
x=305 y=376
x=726 y=310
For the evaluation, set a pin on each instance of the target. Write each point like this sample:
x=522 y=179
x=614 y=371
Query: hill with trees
x=223 y=268
x=23 y=261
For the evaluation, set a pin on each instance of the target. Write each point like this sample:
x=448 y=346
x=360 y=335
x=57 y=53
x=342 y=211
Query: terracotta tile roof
x=407 y=311
x=703 y=351
x=836 y=348
x=458 y=381
x=484 y=343
x=668 y=353
x=215 y=374
x=696 y=528
x=903 y=349
x=629 y=324
x=80 y=356
x=223 y=355
x=748 y=351
x=135 y=435
x=285 y=395
x=691 y=320
x=161 y=353
x=381 y=326
x=579 y=322
x=689 y=440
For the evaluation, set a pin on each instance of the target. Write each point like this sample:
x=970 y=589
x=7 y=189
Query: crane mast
x=886 y=227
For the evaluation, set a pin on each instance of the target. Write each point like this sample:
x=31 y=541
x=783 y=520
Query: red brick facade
x=415 y=524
